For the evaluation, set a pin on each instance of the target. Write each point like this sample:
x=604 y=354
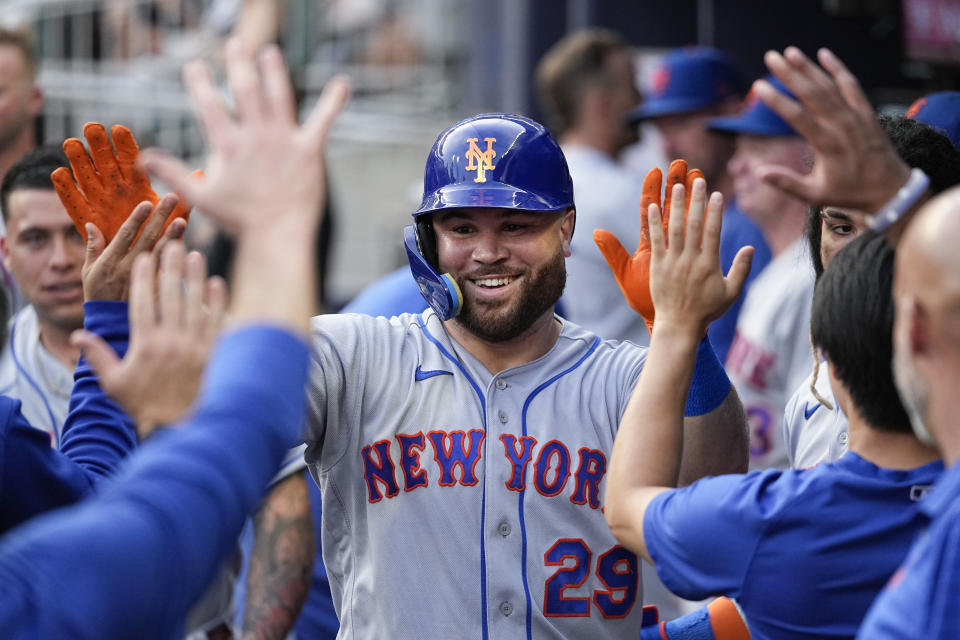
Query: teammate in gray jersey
x=462 y=452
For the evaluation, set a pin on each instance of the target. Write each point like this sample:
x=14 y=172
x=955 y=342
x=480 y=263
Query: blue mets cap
x=941 y=111
x=755 y=117
x=689 y=79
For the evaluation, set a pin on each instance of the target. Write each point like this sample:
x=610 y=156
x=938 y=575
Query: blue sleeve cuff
x=108 y=319
x=710 y=384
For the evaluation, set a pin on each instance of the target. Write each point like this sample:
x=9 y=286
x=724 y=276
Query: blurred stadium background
x=418 y=65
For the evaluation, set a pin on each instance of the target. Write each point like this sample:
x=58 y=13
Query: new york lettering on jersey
x=456 y=454
x=490 y=486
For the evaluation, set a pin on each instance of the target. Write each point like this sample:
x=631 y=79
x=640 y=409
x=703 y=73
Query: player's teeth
x=493 y=282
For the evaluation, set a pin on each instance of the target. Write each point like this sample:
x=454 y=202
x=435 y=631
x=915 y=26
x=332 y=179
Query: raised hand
x=172 y=330
x=855 y=164
x=264 y=180
x=633 y=272
x=687 y=284
x=259 y=159
x=109 y=183
x=107 y=265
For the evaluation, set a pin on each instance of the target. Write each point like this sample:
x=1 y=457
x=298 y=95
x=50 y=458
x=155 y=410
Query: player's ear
x=35 y=102
x=918 y=326
x=839 y=389
x=567 y=225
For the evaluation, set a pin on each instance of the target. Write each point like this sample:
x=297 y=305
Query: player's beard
x=914 y=395
x=539 y=292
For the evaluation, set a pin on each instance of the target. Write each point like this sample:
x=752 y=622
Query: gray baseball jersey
x=812 y=432
x=32 y=375
x=460 y=504
x=770 y=354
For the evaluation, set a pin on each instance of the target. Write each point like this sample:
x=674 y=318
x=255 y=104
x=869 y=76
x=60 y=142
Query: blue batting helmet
x=494 y=161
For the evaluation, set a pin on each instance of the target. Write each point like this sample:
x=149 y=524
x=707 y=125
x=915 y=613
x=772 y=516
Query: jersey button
x=504 y=528
x=506 y=608
x=503 y=417
x=501 y=384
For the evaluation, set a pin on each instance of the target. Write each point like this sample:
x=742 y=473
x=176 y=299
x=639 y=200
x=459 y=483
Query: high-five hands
x=854 y=164
x=633 y=272
x=258 y=154
x=687 y=284
x=109 y=183
x=175 y=316
x=106 y=269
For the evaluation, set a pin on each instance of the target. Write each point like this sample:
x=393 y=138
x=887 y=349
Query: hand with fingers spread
x=687 y=284
x=633 y=272
x=106 y=267
x=259 y=155
x=171 y=334
x=855 y=164
x=109 y=182
x=263 y=180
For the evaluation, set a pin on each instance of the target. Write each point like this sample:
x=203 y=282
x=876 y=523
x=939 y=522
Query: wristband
x=710 y=384
x=906 y=197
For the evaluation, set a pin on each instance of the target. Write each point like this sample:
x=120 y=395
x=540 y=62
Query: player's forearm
x=179 y=505
x=274 y=274
x=649 y=442
x=97 y=433
x=715 y=443
x=281 y=562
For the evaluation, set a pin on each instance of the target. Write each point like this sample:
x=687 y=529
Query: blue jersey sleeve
x=97 y=433
x=34 y=477
x=702 y=538
x=170 y=516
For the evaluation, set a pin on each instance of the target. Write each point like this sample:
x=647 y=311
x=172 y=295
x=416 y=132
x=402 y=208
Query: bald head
x=928 y=265
x=927 y=324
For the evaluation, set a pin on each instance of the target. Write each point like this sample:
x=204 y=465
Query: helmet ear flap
x=427 y=240
x=440 y=291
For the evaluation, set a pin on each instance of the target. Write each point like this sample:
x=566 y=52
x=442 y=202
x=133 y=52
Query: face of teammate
x=756 y=198
x=838 y=228
x=509 y=265
x=44 y=253
x=685 y=135
x=20 y=100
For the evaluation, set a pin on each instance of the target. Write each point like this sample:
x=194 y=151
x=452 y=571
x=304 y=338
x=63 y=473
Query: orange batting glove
x=108 y=187
x=633 y=272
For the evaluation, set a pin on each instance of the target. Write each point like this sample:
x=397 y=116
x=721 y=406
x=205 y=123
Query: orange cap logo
x=915 y=107
x=480 y=161
x=660 y=80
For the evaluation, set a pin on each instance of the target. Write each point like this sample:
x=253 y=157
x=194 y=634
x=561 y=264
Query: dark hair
x=919 y=145
x=31 y=171
x=852 y=322
x=568 y=68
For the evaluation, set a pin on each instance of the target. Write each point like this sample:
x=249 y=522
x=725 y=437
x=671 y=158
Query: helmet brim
x=488 y=195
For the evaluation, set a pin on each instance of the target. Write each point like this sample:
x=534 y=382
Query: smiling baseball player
x=461 y=452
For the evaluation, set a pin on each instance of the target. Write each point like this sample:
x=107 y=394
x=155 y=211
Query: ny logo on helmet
x=480 y=161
